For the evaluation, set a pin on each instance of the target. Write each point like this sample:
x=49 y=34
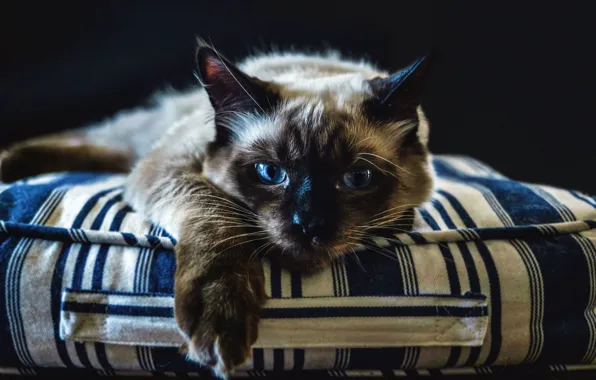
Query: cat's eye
x=357 y=179
x=270 y=174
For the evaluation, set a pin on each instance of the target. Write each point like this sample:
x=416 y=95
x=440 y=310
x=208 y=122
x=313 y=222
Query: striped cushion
x=496 y=273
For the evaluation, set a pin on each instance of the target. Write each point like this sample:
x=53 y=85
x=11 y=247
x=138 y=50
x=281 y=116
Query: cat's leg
x=61 y=153
x=219 y=285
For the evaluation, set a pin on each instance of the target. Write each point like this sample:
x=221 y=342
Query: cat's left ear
x=396 y=97
x=230 y=88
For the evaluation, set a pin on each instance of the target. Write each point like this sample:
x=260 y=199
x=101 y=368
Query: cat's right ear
x=228 y=87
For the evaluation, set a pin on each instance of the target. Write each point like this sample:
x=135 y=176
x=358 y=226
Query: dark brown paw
x=219 y=319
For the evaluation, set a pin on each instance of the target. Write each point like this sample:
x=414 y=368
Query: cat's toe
x=222 y=355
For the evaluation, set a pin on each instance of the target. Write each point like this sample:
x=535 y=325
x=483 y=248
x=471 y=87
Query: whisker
x=379 y=251
x=386 y=160
x=391 y=217
x=234 y=204
x=238 y=236
x=394 y=208
x=244 y=242
x=355 y=257
x=385 y=223
x=269 y=250
x=375 y=165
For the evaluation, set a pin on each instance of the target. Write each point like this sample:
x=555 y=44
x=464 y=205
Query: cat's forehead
x=315 y=127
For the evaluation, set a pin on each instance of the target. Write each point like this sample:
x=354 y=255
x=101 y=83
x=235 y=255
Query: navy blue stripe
x=523 y=205
x=303 y=312
x=444 y=248
x=14 y=282
x=566 y=284
x=341 y=280
x=8 y=354
x=278 y=359
x=102 y=255
x=108 y=309
x=120 y=293
x=584 y=198
x=258 y=359
x=473 y=278
x=336 y=362
x=461 y=211
x=140 y=273
x=334 y=279
x=55 y=304
x=298 y=359
x=129 y=238
x=417 y=238
x=81 y=351
x=393 y=311
x=377 y=272
x=154 y=275
x=275 y=280
x=296 y=284
x=88 y=207
x=533 y=276
x=474 y=282
x=376 y=358
x=429 y=219
x=102 y=357
x=412 y=277
x=451 y=268
x=101 y=215
x=495 y=302
x=141 y=357
x=154 y=241
x=453 y=357
x=444 y=215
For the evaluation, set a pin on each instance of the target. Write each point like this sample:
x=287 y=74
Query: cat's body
x=296 y=156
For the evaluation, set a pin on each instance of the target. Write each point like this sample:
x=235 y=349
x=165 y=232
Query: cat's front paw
x=219 y=319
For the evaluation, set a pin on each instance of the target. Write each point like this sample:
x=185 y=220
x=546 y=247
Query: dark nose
x=310 y=228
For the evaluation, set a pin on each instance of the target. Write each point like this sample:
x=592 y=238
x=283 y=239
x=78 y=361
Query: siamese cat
x=290 y=156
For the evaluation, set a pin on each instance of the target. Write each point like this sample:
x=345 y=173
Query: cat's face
x=320 y=173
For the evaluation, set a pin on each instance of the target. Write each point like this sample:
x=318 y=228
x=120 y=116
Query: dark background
x=513 y=86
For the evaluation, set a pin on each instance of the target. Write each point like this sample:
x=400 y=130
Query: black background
x=513 y=85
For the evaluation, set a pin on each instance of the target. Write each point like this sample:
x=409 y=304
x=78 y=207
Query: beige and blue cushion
x=498 y=274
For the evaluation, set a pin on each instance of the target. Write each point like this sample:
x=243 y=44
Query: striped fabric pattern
x=497 y=273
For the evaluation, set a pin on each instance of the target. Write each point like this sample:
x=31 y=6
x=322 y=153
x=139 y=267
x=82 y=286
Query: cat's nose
x=310 y=228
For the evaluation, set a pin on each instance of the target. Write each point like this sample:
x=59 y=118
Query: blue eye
x=357 y=179
x=270 y=174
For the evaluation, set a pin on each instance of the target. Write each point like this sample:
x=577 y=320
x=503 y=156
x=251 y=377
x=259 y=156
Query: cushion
x=497 y=273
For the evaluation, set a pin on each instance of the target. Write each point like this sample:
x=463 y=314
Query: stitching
x=459 y=321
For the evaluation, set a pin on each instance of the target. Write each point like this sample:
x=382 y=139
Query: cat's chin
x=307 y=261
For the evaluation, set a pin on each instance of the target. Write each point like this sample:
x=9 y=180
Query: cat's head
x=323 y=163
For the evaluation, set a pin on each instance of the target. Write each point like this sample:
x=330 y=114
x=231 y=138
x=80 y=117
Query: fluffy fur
x=191 y=163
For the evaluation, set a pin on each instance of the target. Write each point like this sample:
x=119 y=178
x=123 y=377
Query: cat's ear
x=228 y=87
x=397 y=97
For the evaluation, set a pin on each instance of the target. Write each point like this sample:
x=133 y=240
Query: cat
x=290 y=156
